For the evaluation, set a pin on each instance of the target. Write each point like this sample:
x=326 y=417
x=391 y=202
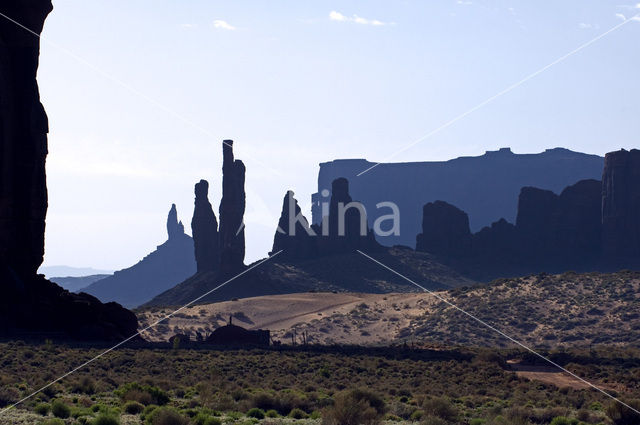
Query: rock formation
x=344 y=230
x=486 y=187
x=552 y=233
x=29 y=303
x=293 y=237
x=445 y=230
x=232 y=208
x=171 y=263
x=175 y=228
x=204 y=227
x=621 y=206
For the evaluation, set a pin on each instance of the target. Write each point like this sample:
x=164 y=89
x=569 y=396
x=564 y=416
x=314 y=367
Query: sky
x=141 y=94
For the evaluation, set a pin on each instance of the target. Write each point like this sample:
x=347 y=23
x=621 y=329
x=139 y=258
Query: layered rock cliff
x=31 y=305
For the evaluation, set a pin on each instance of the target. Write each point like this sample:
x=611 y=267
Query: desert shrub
x=271 y=413
x=106 y=419
x=133 y=407
x=41 y=409
x=60 y=410
x=350 y=408
x=416 y=415
x=8 y=395
x=441 y=408
x=53 y=421
x=298 y=414
x=165 y=416
x=563 y=420
x=144 y=394
x=433 y=420
x=477 y=421
x=84 y=386
x=204 y=418
x=256 y=413
x=622 y=415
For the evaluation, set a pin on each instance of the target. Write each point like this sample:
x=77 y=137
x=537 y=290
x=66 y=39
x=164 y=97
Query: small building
x=236 y=335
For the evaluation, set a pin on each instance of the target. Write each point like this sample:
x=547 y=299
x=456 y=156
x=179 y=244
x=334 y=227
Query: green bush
x=106 y=419
x=133 y=407
x=298 y=414
x=256 y=413
x=166 y=416
x=271 y=413
x=42 y=409
x=562 y=420
x=204 y=418
x=60 y=410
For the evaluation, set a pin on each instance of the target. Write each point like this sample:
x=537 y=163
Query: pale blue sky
x=294 y=85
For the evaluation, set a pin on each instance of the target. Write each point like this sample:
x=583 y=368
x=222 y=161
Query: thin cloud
x=586 y=26
x=339 y=17
x=465 y=2
x=189 y=26
x=223 y=25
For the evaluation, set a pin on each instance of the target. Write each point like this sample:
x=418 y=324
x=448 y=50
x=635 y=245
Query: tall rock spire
x=232 y=208
x=204 y=227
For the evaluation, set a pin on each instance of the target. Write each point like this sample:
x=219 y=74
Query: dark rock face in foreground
x=168 y=265
x=30 y=304
x=232 y=208
x=204 y=227
x=621 y=206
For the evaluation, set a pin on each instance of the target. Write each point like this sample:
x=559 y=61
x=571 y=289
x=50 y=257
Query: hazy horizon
x=298 y=84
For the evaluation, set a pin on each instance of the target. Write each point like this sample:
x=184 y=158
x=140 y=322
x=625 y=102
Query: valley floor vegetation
x=339 y=386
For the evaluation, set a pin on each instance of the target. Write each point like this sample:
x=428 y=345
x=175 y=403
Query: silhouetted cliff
x=30 y=304
x=204 y=227
x=344 y=229
x=232 y=206
x=552 y=233
x=621 y=206
x=486 y=187
x=168 y=265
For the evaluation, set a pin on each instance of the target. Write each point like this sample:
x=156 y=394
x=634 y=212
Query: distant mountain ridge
x=77 y=283
x=486 y=186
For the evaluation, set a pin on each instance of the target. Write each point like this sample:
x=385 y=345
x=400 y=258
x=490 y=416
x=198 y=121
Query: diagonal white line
x=135 y=335
x=482 y=322
x=503 y=92
x=129 y=88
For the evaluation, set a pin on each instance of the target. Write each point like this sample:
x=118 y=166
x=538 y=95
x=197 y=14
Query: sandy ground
x=548 y=375
x=327 y=317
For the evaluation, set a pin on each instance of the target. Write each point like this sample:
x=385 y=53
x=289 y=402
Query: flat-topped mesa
x=204 y=227
x=621 y=206
x=232 y=207
x=294 y=235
